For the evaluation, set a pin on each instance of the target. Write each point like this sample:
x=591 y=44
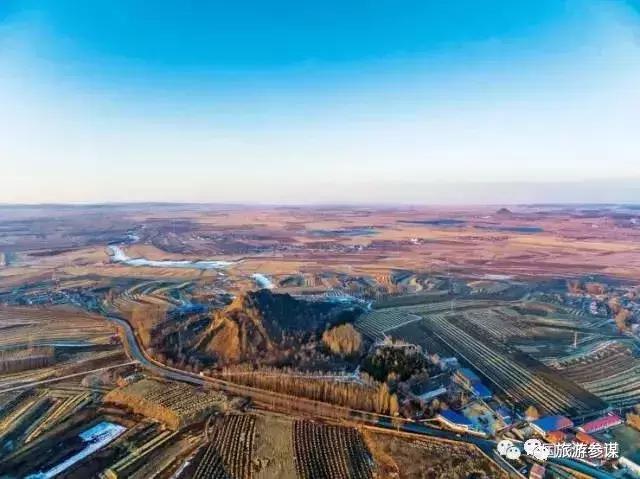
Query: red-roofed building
x=584 y=438
x=601 y=424
x=555 y=437
x=546 y=424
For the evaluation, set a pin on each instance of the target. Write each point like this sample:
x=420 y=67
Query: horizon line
x=80 y=204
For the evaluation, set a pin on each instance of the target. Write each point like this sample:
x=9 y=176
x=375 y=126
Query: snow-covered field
x=262 y=281
x=95 y=438
x=119 y=256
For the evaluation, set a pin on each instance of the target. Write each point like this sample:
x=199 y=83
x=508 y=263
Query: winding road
x=290 y=403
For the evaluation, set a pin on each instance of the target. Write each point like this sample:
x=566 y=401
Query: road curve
x=486 y=445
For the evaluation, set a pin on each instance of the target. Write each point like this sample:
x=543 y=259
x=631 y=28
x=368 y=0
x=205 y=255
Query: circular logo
x=541 y=453
x=513 y=453
x=503 y=446
x=531 y=444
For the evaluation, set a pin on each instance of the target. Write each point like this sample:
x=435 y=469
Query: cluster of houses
x=466 y=405
x=476 y=410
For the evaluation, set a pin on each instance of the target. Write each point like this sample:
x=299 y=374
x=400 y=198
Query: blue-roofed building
x=547 y=424
x=505 y=414
x=469 y=380
x=467 y=377
x=427 y=396
x=481 y=391
x=425 y=390
x=449 y=364
x=454 y=420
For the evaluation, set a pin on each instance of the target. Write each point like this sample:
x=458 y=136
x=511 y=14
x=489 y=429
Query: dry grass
x=428 y=458
x=569 y=244
x=273 y=449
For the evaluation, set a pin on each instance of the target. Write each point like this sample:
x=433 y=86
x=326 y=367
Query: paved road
x=486 y=445
x=34 y=384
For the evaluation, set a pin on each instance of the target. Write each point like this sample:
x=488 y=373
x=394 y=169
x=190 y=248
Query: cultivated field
x=527 y=242
x=228 y=453
x=515 y=374
x=377 y=324
x=32 y=326
x=330 y=452
x=176 y=404
x=611 y=372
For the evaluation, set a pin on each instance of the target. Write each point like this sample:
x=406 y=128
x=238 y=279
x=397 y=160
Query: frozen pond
x=119 y=256
x=95 y=438
x=262 y=281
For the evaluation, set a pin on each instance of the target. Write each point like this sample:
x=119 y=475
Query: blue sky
x=298 y=102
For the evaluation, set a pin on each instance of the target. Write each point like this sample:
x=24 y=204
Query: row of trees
x=22 y=359
x=367 y=395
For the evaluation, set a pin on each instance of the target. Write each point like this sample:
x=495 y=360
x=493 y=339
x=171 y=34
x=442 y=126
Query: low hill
x=504 y=212
x=261 y=326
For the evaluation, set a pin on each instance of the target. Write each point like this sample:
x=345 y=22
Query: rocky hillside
x=262 y=326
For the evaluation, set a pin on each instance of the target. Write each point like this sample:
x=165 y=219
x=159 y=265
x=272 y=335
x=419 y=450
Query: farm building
x=555 y=437
x=427 y=396
x=454 y=420
x=424 y=391
x=481 y=391
x=448 y=364
x=470 y=380
x=584 y=438
x=600 y=424
x=547 y=424
x=482 y=417
x=504 y=414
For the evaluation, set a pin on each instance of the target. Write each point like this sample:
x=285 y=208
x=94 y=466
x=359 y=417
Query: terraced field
x=24 y=413
x=176 y=404
x=139 y=455
x=449 y=305
x=27 y=415
x=330 y=452
x=376 y=324
x=611 y=372
x=66 y=404
x=500 y=322
x=148 y=293
x=545 y=338
x=517 y=375
x=39 y=343
x=76 y=363
x=35 y=326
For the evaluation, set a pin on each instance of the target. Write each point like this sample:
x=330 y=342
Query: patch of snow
x=96 y=437
x=119 y=256
x=497 y=277
x=262 y=281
